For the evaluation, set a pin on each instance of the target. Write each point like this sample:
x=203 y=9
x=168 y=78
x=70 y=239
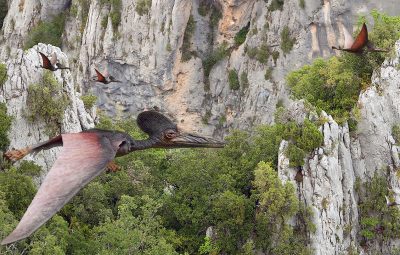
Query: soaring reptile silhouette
x=84 y=155
x=106 y=78
x=51 y=64
x=357 y=45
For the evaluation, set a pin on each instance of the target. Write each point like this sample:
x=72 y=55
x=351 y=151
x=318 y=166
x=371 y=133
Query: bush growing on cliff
x=233 y=79
x=46 y=102
x=218 y=54
x=3 y=74
x=334 y=85
x=187 y=37
x=3 y=11
x=47 y=32
x=89 y=100
x=240 y=37
x=143 y=7
x=5 y=125
x=287 y=41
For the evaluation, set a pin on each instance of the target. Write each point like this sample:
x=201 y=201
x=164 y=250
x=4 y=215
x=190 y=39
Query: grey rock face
x=145 y=52
x=330 y=173
x=23 y=71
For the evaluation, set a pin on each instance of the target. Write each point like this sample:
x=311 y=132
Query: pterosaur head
x=165 y=134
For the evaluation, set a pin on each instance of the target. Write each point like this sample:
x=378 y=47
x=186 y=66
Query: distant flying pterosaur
x=84 y=155
x=51 y=64
x=357 y=45
x=106 y=78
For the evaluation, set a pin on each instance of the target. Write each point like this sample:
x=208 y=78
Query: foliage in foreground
x=5 y=125
x=162 y=202
x=334 y=85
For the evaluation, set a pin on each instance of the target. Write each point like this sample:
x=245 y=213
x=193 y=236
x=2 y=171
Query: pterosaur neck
x=143 y=144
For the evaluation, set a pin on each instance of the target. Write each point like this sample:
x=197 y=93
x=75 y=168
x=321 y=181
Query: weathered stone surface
x=23 y=71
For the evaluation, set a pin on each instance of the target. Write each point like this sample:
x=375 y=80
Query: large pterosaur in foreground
x=357 y=45
x=84 y=156
x=51 y=64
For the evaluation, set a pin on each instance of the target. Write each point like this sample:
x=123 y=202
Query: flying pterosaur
x=357 y=45
x=51 y=64
x=106 y=78
x=84 y=155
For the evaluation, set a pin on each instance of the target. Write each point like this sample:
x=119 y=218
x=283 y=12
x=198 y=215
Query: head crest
x=153 y=123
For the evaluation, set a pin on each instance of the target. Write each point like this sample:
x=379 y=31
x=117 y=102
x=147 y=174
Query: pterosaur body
x=84 y=155
x=106 y=78
x=51 y=64
x=357 y=45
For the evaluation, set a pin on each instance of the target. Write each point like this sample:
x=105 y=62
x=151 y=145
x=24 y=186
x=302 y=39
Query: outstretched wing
x=361 y=39
x=83 y=157
x=46 y=61
x=53 y=59
x=100 y=77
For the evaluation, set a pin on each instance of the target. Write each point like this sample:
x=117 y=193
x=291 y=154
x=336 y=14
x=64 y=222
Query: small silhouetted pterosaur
x=106 y=78
x=84 y=155
x=51 y=64
x=358 y=45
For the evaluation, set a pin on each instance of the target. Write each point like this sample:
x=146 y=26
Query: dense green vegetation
x=3 y=74
x=89 y=100
x=334 y=85
x=244 y=81
x=233 y=79
x=48 y=32
x=189 y=31
x=163 y=201
x=46 y=102
x=378 y=221
x=5 y=124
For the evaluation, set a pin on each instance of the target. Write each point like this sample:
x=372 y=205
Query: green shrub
x=48 y=32
x=5 y=125
x=3 y=11
x=268 y=74
x=396 y=133
x=276 y=5
x=296 y=155
x=275 y=56
x=89 y=100
x=3 y=74
x=240 y=37
x=216 y=15
x=189 y=31
x=244 y=81
x=302 y=4
x=328 y=85
x=218 y=54
x=143 y=7
x=261 y=53
x=233 y=80
x=46 y=102
x=286 y=41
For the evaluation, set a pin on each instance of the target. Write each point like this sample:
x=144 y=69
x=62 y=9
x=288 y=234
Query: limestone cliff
x=146 y=50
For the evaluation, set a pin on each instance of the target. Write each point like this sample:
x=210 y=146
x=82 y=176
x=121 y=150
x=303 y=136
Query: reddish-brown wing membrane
x=46 y=61
x=83 y=157
x=100 y=77
x=361 y=39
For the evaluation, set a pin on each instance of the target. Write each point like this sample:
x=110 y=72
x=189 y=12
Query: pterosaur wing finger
x=53 y=59
x=83 y=157
x=46 y=61
x=361 y=39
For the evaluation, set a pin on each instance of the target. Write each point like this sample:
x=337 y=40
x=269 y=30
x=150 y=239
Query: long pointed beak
x=186 y=140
